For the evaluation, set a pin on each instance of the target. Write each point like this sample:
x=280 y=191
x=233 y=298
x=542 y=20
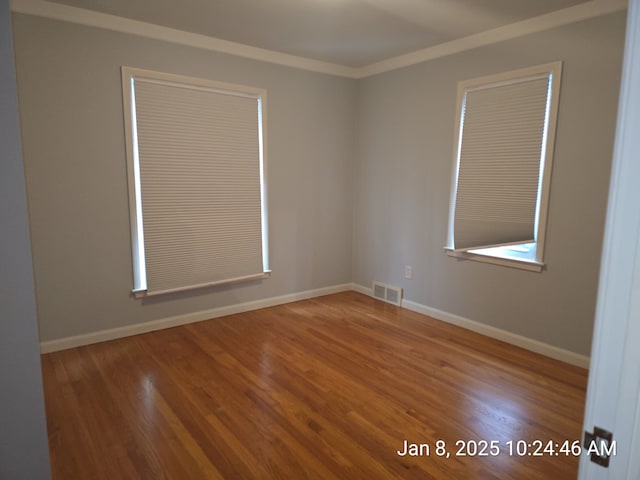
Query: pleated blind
x=500 y=151
x=200 y=184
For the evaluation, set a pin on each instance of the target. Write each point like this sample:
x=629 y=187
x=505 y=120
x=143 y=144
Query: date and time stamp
x=512 y=448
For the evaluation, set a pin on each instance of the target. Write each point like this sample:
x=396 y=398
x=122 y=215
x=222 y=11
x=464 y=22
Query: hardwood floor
x=323 y=388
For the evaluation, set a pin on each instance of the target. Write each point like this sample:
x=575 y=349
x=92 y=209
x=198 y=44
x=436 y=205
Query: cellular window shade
x=200 y=185
x=503 y=130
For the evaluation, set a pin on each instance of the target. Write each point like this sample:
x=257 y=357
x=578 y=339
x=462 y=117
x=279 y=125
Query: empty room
x=318 y=239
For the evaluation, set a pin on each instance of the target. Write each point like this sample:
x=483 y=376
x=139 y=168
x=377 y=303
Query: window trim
x=133 y=175
x=505 y=78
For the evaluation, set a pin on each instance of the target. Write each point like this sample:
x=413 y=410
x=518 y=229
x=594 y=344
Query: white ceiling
x=351 y=33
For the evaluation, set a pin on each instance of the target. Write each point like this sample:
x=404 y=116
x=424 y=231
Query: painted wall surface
x=403 y=180
x=359 y=179
x=24 y=450
x=74 y=154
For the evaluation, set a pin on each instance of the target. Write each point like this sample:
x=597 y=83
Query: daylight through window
x=502 y=166
x=197 y=189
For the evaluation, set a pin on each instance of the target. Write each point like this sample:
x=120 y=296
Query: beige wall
x=359 y=179
x=71 y=106
x=403 y=180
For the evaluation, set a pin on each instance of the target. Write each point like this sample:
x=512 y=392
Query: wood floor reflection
x=325 y=388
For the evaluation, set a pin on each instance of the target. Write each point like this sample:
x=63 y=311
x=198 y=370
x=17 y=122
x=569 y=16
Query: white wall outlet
x=408 y=272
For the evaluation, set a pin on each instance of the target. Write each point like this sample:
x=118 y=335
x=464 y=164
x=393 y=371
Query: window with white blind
x=197 y=188
x=502 y=166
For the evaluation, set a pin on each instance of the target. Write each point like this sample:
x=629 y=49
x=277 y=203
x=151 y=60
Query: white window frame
x=501 y=254
x=129 y=75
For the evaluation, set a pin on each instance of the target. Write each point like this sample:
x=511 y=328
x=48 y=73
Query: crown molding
x=81 y=16
x=66 y=13
x=582 y=11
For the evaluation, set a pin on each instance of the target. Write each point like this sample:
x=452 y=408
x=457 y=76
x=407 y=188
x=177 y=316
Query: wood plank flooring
x=324 y=388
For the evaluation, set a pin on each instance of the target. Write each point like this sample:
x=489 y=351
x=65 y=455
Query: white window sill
x=141 y=293
x=498 y=259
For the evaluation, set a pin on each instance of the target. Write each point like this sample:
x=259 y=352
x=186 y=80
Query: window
x=197 y=191
x=502 y=166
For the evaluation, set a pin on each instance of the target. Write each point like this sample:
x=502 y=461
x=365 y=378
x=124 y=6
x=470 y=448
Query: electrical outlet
x=408 y=272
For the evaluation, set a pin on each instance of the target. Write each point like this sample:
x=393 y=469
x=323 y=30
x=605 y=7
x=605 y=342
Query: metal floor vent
x=387 y=293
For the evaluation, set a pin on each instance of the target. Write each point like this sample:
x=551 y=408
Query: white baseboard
x=499 y=334
x=121 y=332
x=493 y=332
x=363 y=290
